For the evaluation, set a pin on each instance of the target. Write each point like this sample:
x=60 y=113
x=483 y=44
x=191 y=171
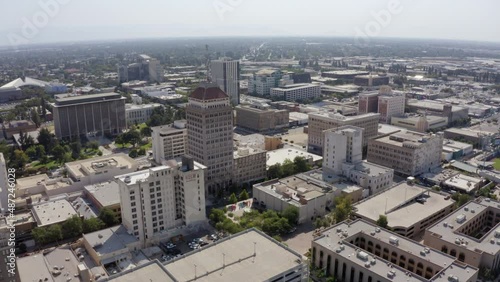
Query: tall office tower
x=162 y=198
x=210 y=134
x=4 y=192
x=226 y=73
x=344 y=144
x=96 y=113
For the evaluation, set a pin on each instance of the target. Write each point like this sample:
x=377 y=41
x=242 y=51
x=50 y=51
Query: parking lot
x=300 y=240
x=183 y=245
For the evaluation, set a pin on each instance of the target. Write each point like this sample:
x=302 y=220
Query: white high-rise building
x=226 y=73
x=4 y=190
x=343 y=144
x=161 y=198
x=169 y=141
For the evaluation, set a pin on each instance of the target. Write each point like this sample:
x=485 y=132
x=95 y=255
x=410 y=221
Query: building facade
x=470 y=234
x=162 y=198
x=169 y=141
x=343 y=157
x=295 y=92
x=318 y=122
x=89 y=114
x=261 y=118
x=262 y=81
x=249 y=165
x=362 y=252
x=409 y=153
x=209 y=118
x=226 y=74
x=368 y=102
x=146 y=68
x=4 y=188
x=390 y=105
x=137 y=114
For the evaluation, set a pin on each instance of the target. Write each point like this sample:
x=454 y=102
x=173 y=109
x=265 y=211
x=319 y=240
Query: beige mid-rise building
x=408 y=153
x=249 y=165
x=261 y=117
x=319 y=122
x=471 y=234
x=209 y=118
x=363 y=252
x=162 y=198
x=169 y=141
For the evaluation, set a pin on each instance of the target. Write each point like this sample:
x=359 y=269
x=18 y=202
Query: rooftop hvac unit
x=393 y=240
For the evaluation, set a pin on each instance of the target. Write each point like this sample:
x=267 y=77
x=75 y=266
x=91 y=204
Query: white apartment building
x=391 y=105
x=226 y=74
x=169 y=141
x=342 y=156
x=136 y=114
x=299 y=91
x=162 y=198
x=343 y=144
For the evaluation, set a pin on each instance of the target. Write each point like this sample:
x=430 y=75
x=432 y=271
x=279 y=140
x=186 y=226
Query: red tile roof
x=208 y=91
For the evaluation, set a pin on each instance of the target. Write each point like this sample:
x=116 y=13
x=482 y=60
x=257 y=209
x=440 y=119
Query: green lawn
x=50 y=165
x=496 y=165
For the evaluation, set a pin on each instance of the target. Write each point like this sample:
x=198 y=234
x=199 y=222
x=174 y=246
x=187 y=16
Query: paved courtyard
x=300 y=240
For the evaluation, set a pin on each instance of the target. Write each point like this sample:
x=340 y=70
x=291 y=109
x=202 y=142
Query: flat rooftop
x=280 y=155
x=71 y=100
x=83 y=168
x=271 y=258
x=332 y=239
x=463 y=182
x=152 y=271
x=400 y=206
x=131 y=107
x=472 y=211
x=339 y=117
x=371 y=168
x=50 y=213
x=398 y=138
x=106 y=193
x=110 y=240
x=432 y=105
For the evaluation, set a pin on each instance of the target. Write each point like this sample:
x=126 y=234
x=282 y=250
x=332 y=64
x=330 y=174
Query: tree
x=382 y=221
x=108 y=217
x=133 y=137
x=343 y=208
x=461 y=199
x=275 y=171
x=58 y=152
x=72 y=227
x=217 y=215
x=233 y=199
x=92 y=224
x=291 y=213
x=40 y=235
x=146 y=131
x=19 y=160
x=31 y=152
x=288 y=167
x=300 y=164
x=35 y=117
x=46 y=139
x=54 y=233
x=76 y=149
x=243 y=195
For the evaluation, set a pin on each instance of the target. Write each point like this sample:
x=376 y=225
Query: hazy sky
x=120 y=19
